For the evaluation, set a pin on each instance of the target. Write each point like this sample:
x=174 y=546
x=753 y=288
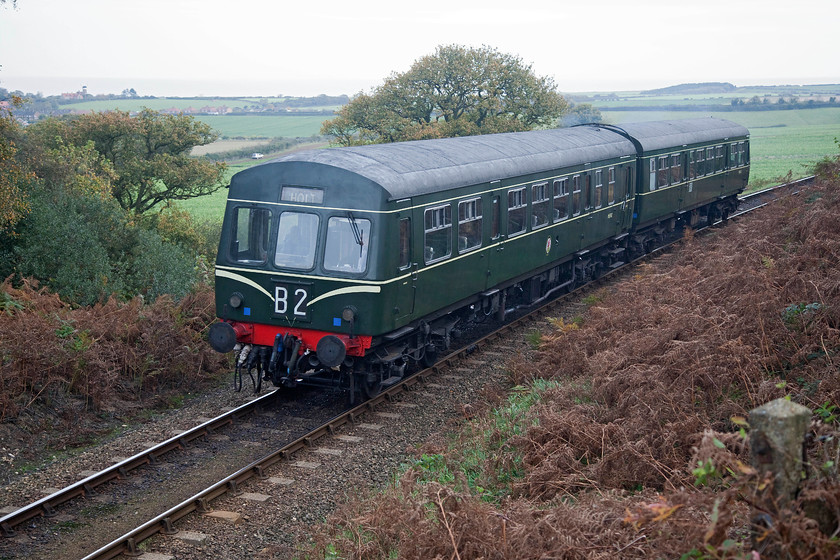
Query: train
x=349 y=267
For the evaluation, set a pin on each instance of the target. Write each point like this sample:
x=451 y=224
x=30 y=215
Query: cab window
x=297 y=237
x=250 y=235
x=346 y=249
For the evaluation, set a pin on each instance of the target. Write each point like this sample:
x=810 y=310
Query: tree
x=581 y=113
x=14 y=204
x=149 y=154
x=457 y=91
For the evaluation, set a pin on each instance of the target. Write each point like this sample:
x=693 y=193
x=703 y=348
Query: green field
x=780 y=141
x=264 y=126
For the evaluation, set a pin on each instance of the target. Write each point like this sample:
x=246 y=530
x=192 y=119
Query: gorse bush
x=85 y=249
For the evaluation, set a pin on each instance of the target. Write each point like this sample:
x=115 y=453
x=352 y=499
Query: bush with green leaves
x=85 y=248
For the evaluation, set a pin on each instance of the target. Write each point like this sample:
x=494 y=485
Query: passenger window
x=517 y=209
x=346 y=249
x=576 y=195
x=250 y=235
x=469 y=225
x=710 y=161
x=561 y=199
x=662 y=176
x=624 y=187
x=587 y=191
x=733 y=155
x=297 y=236
x=599 y=188
x=701 y=166
x=405 y=243
x=495 y=213
x=652 y=182
x=676 y=169
x=438 y=229
x=720 y=161
x=611 y=185
x=539 y=205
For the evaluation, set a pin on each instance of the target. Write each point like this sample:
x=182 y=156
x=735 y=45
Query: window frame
x=441 y=221
x=520 y=198
x=563 y=185
x=544 y=203
x=472 y=214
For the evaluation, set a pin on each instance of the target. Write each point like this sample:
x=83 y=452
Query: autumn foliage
x=635 y=449
x=115 y=358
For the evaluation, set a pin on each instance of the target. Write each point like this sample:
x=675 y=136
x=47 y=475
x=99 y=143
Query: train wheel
x=370 y=385
x=430 y=356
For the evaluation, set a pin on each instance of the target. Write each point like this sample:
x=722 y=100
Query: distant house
x=257 y=155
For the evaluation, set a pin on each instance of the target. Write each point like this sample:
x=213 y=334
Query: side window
x=469 y=224
x=517 y=208
x=624 y=186
x=405 y=242
x=710 y=161
x=611 y=185
x=250 y=235
x=733 y=155
x=540 y=201
x=692 y=166
x=701 y=164
x=496 y=213
x=662 y=176
x=599 y=188
x=720 y=161
x=587 y=191
x=652 y=182
x=561 y=199
x=676 y=169
x=576 y=195
x=438 y=233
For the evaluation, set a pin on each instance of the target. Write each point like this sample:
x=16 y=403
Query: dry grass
x=642 y=410
x=62 y=366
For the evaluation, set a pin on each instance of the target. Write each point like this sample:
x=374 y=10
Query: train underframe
x=418 y=345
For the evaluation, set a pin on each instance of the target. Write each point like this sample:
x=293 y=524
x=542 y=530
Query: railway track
x=259 y=468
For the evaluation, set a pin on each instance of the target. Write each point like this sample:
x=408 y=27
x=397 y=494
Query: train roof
x=406 y=169
x=659 y=135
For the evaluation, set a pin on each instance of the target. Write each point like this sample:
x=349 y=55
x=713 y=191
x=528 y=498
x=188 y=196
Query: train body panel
x=349 y=262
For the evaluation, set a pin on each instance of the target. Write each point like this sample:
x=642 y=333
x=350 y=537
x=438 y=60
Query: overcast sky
x=270 y=47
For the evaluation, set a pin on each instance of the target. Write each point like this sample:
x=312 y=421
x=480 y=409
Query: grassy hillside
x=781 y=141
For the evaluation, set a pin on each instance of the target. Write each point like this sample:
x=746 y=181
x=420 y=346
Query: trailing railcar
x=344 y=266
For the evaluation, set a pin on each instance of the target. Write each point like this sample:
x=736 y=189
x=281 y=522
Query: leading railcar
x=345 y=266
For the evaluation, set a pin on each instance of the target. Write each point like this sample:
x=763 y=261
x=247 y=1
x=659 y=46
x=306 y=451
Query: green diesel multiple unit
x=343 y=266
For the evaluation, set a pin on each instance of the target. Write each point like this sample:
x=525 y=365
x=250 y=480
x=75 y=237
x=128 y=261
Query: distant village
x=38 y=106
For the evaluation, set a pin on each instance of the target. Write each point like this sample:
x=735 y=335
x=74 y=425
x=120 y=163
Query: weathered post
x=777 y=433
